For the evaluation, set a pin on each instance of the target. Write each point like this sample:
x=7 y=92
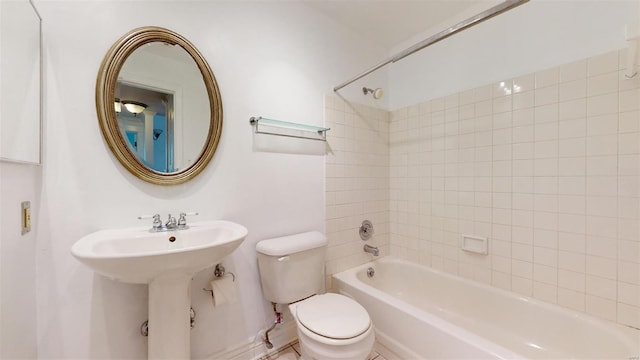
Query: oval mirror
x=159 y=106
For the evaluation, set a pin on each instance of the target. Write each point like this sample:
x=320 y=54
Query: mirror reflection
x=162 y=107
x=20 y=71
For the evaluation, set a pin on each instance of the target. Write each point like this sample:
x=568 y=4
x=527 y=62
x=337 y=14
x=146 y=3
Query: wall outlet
x=26 y=217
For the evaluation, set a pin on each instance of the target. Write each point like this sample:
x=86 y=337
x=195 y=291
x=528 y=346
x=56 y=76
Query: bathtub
x=421 y=313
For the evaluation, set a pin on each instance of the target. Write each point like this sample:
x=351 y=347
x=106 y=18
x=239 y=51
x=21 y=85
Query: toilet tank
x=292 y=267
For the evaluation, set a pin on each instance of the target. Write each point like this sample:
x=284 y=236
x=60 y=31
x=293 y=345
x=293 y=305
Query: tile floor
x=292 y=352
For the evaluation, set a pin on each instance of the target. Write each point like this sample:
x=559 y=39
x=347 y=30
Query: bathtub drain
x=370 y=272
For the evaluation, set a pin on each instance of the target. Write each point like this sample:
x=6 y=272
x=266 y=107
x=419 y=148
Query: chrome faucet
x=157 y=223
x=171 y=224
x=371 y=250
x=182 y=221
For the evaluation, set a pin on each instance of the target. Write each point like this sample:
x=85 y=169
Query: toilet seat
x=333 y=316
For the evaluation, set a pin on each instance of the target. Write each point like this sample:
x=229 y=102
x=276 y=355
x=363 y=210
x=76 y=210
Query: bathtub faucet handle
x=371 y=250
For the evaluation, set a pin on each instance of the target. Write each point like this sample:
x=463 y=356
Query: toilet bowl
x=329 y=326
x=332 y=326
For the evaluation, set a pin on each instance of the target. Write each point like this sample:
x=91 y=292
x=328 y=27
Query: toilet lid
x=334 y=316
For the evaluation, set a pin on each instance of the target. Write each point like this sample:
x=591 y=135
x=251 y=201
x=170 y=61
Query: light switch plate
x=26 y=217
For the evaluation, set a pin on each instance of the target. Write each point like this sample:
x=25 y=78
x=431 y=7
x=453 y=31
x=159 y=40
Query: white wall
x=270 y=59
x=18 y=261
x=534 y=36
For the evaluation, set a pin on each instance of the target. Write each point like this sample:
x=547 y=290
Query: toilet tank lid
x=291 y=244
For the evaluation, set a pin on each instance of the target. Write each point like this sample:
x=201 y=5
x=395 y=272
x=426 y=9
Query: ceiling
x=390 y=22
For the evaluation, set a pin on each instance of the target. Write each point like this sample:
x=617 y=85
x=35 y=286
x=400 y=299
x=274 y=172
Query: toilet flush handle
x=283 y=258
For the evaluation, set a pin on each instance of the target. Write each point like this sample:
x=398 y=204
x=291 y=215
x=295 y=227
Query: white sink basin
x=137 y=255
x=166 y=261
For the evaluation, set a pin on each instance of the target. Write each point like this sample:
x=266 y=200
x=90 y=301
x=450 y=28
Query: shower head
x=377 y=93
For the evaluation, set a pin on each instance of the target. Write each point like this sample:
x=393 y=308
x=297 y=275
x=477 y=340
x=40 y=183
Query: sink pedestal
x=169 y=319
x=166 y=261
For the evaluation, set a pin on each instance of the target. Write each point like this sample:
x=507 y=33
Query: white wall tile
x=629 y=121
x=574 y=166
x=547 y=165
x=523 y=269
x=545 y=274
x=603 y=104
x=602 y=165
x=600 y=287
x=575 y=264
x=546 y=131
x=602 y=64
x=502 y=104
x=600 y=307
x=572 y=128
x=546 y=149
x=573 y=147
x=571 y=299
x=524 y=83
x=629 y=143
x=523 y=100
x=572 y=204
x=572 y=90
x=572 y=109
x=629 y=294
x=602 y=125
x=546 y=113
x=571 y=223
x=545 y=292
x=548 y=95
x=572 y=185
x=572 y=242
x=601 y=267
x=573 y=71
x=629 y=165
x=602 y=145
x=629 y=315
x=604 y=247
x=629 y=272
x=602 y=84
x=523 y=117
x=546 y=78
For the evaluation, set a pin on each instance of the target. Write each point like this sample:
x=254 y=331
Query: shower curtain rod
x=463 y=25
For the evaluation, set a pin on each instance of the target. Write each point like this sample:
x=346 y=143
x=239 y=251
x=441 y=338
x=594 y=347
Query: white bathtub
x=421 y=313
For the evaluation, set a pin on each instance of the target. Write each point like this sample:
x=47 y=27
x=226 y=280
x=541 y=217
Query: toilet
x=329 y=326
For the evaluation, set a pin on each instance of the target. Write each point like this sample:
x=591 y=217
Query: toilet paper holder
x=220 y=272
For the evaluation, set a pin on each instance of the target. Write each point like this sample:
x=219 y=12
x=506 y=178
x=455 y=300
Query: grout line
x=296 y=351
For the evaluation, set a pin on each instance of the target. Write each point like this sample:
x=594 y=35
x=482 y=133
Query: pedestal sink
x=166 y=261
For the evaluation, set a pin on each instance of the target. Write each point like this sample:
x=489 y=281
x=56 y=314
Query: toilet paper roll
x=223 y=291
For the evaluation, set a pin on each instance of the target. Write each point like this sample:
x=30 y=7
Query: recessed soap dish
x=475 y=244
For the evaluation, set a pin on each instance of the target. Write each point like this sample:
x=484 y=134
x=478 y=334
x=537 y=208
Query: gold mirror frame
x=105 y=98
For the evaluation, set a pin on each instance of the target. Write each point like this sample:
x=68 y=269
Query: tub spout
x=371 y=250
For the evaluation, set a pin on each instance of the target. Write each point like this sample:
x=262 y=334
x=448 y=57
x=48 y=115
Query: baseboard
x=390 y=349
x=254 y=349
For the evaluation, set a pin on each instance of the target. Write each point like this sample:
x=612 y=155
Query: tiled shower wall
x=545 y=165
x=357 y=181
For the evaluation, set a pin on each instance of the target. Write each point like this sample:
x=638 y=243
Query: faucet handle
x=157 y=223
x=182 y=221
